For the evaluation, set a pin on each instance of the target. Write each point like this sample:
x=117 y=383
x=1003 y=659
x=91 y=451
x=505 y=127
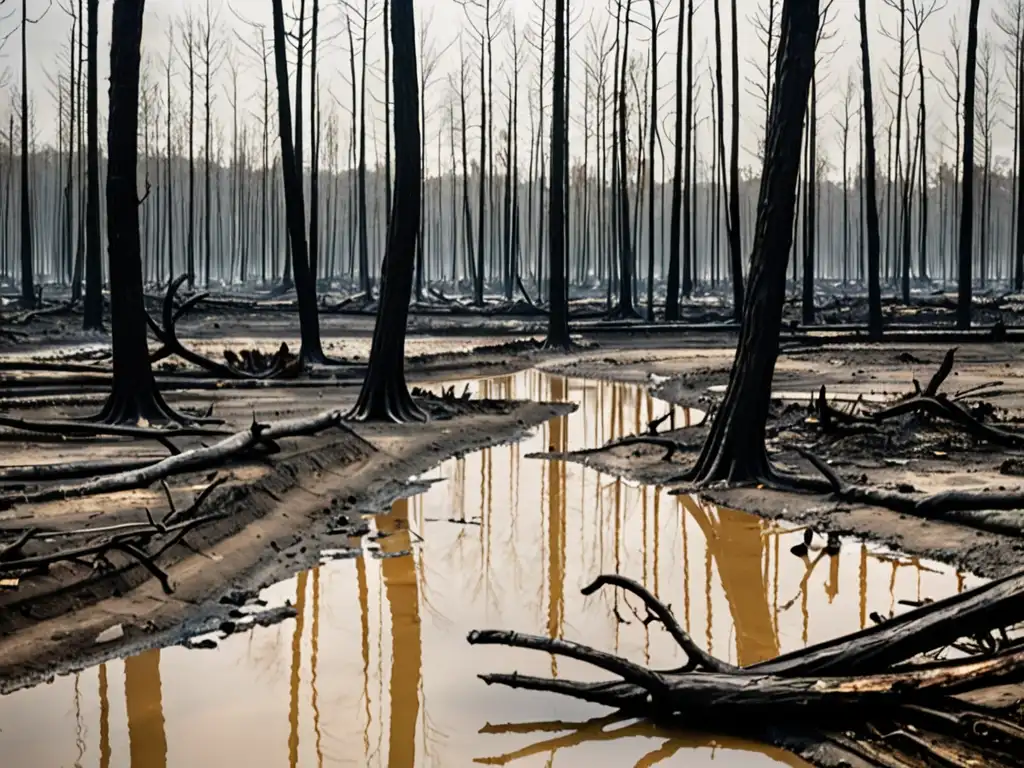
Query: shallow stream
x=376 y=671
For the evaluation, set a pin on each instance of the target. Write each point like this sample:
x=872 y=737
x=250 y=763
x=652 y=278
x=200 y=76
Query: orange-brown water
x=375 y=671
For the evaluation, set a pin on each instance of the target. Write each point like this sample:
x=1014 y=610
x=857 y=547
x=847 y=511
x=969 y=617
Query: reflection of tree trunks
x=364 y=624
x=143 y=703
x=296 y=671
x=315 y=643
x=556 y=522
x=736 y=543
x=406 y=650
x=104 y=719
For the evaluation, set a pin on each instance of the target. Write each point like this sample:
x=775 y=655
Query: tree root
x=839 y=687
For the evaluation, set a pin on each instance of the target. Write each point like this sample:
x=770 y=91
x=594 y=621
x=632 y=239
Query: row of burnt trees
x=134 y=397
x=213 y=225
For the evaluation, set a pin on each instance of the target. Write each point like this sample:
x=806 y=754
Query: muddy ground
x=987 y=543
x=286 y=508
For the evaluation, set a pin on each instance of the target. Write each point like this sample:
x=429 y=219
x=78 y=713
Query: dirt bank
x=280 y=510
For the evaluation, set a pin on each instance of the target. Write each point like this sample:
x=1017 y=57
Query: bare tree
x=963 y=309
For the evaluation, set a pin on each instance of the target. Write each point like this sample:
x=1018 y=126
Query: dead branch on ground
x=865 y=691
x=143 y=542
x=280 y=364
x=238 y=445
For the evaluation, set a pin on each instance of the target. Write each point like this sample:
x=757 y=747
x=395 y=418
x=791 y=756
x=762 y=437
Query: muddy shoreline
x=281 y=516
x=690 y=376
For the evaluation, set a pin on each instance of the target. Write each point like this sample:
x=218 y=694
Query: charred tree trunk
x=735 y=241
x=385 y=396
x=625 y=309
x=558 y=318
x=735 y=448
x=28 y=291
x=295 y=217
x=672 y=295
x=688 y=171
x=134 y=397
x=963 y=309
x=871 y=198
x=93 y=308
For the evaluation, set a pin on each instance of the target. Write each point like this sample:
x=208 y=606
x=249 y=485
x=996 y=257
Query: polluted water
x=375 y=669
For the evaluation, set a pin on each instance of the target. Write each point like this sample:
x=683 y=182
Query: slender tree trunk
x=385 y=396
x=735 y=241
x=134 y=397
x=672 y=295
x=295 y=217
x=28 y=291
x=558 y=317
x=735 y=448
x=93 y=308
x=963 y=310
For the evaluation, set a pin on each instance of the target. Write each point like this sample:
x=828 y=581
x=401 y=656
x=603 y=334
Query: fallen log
x=197 y=459
x=841 y=688
x=88 y=429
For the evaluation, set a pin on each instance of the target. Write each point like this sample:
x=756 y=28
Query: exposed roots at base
x=140 y=408
x=388 y=403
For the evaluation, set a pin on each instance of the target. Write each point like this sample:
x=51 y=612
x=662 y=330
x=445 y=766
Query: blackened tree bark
x=871 y=197
x=672 y=295
x=735 y=448
x=385 y=396
x=688 y=172
x=735 y=241
x=28 y=290
x=558 y=317
x=314 y=165
x=626 y=260
x=93 y=307
x=295 y=217
x=963 y=308
x=134 y=397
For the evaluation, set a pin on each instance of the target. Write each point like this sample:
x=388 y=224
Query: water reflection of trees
x=614 y=727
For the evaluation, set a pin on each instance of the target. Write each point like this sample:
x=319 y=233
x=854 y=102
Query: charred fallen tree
x=881 y=695
x=258 y=439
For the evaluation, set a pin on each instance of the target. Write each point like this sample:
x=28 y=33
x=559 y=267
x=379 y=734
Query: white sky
x=446 y=18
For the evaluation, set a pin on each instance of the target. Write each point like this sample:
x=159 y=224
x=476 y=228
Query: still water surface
x=375 y=670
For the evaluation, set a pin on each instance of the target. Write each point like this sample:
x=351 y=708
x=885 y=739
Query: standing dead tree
x=385 y=395
x=93 y=309
x=735 y=448
x=295 y=217
x=965 y=271
x=134 y=397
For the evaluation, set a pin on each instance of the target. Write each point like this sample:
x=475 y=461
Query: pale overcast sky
x=444 y=19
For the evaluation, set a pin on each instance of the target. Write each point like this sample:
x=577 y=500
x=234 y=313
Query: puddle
x=375 y=669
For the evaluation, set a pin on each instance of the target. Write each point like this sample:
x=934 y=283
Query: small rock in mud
x=236 y=598
x=386 y=555
x=110 y=634
x=227 y=627
x=328 y=555
x=206 y=644
x=356 y=528
x=1012 y=467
